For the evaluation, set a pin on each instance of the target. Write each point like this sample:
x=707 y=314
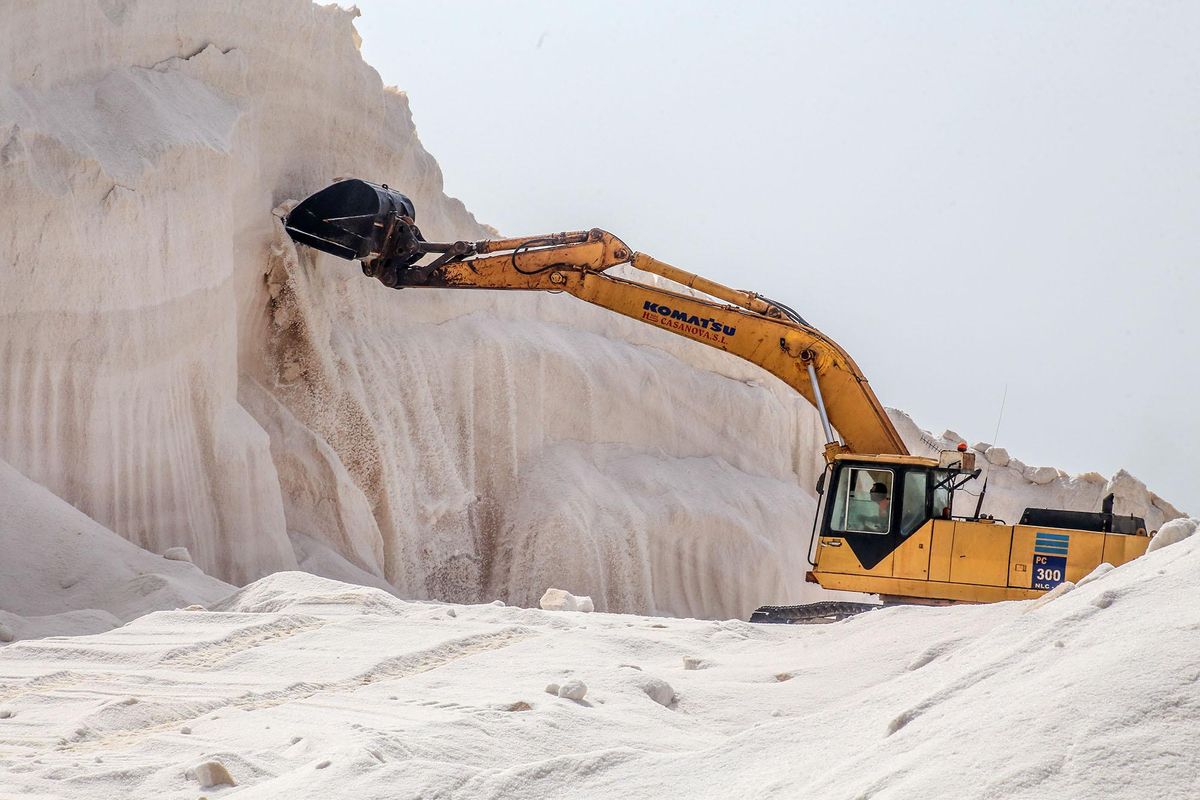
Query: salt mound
x=316 y=417
x=66 y=573
x=302 y=592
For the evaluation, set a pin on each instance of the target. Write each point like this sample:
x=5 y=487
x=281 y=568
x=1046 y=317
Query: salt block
x=1040 y=475
x=997 y=455
x=659 y=691
x=1098 y=572
x=981 y=447
x=210 y=774
x=177 y=554
x=1174 y=531
x=1056 y=592
x=573 y=690
x=561 y=600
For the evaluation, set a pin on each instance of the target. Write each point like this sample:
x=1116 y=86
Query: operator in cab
x=882 y=507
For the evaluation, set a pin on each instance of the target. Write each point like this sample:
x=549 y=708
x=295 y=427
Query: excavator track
x=811 y=613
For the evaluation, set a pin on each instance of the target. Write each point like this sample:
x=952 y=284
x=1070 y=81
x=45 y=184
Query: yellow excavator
x=886 y=518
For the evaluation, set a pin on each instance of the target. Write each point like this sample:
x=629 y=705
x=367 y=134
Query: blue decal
x=1050 y=559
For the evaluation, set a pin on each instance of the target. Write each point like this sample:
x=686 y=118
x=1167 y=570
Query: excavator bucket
x=351 y=219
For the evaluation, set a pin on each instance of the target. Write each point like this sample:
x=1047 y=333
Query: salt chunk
x=997 y=455
x=561 y=600
x=1057 y=591
x=177 y=554
x=659 y=691
x=1040 y=475
x=1174 y=531
x=6 y=634
x=981 y=447
x=691 y=662
x=210 y=774
x=574 y=689
x=1098 y=572
x=552 y=688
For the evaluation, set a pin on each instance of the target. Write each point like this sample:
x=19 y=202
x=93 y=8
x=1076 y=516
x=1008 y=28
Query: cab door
x=980 y=553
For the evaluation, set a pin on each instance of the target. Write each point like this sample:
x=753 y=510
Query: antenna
x=1003 y=400
x=995 y=436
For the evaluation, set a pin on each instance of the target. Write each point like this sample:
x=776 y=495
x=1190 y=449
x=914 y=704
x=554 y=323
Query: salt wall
x=177 y=370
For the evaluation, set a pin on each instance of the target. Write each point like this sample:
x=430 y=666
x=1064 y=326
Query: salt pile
x=177 y=371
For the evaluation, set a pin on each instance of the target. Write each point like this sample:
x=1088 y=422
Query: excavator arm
x=356 y=219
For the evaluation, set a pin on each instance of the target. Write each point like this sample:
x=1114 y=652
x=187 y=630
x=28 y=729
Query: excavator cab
x=887 y=527
x=875 y=503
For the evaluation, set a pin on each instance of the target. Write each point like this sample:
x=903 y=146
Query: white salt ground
x=303 y=687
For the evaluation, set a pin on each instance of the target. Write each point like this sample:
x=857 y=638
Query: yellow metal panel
x=1084 y=551
x=835 y=555
x=1020 y=568
x=1087 y=550
x=980 y=553
x=943 y=544
x=915 y=461
x=929 y=590
x=1120 y=548
x=911 y=559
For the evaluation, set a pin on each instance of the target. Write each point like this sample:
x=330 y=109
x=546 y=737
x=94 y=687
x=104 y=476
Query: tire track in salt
x=394 y=668
x=210 y=654
x=49 y=682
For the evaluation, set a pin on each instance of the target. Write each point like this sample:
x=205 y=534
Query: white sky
x=965 y=196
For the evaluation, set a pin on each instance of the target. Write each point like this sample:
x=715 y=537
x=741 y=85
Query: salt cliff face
x=177 y=370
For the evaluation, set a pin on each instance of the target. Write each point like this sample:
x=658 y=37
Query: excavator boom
x=356 y=219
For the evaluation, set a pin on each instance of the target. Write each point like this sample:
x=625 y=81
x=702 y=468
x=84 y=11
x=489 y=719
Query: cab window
x=916 y=488
x=863 y=501
x=941 y=496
